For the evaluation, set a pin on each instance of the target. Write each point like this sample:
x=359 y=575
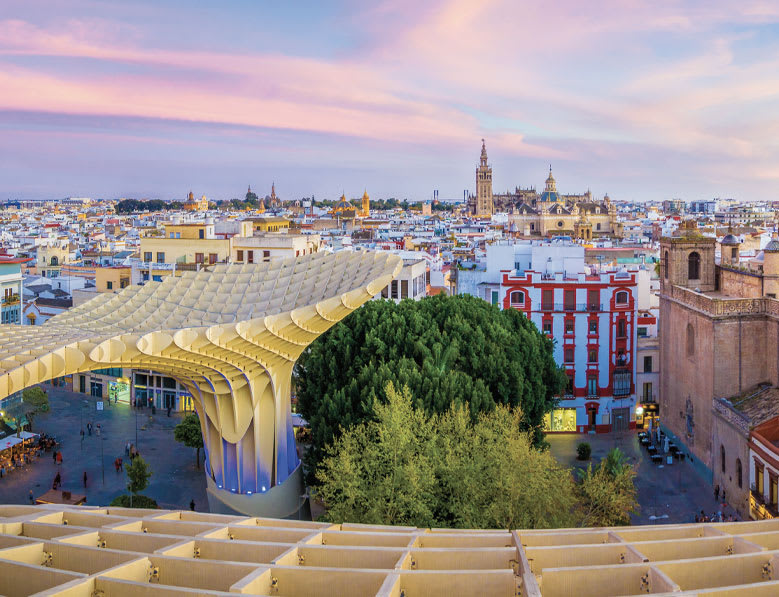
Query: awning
x=12 y=440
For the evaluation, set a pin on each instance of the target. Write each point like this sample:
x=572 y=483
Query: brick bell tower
x=484 y=204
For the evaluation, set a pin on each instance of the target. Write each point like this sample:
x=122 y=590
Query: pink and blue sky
x=152 y=98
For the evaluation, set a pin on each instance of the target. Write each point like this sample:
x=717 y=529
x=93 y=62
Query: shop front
x=648 y=415
x=119 y=391
x=560 y=420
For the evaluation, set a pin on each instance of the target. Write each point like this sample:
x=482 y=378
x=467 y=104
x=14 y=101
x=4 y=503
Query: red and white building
x=593 y=318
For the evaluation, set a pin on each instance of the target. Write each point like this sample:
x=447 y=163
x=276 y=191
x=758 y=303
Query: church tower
x=484 y=205
x=366 y=205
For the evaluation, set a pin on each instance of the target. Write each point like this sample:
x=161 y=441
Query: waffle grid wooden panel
x=107 y=552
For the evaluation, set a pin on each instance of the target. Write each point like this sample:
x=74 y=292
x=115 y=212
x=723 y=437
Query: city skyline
x=109 y=99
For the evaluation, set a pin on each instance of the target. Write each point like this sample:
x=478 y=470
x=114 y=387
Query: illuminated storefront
x=648 y=414
x=119 y=390
x=560 y=419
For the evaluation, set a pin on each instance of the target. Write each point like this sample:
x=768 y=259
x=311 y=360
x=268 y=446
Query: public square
x=174 y=481
x=666 y=493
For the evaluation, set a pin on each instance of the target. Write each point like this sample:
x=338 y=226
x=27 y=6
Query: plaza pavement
x=174 y=482
x=673 y=493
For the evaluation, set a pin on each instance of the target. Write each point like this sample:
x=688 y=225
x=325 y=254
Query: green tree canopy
x=405 y=467
x=607 y=494
x=188 y=432
x=138 y=474
x=446 y=350
x=34 y=400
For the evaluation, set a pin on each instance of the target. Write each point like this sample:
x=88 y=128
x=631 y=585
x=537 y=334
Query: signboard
x=99 y=405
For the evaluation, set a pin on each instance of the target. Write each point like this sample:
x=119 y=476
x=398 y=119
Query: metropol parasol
x=231 y=336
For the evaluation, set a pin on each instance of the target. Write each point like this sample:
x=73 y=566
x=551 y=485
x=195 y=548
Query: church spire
x=483 y=158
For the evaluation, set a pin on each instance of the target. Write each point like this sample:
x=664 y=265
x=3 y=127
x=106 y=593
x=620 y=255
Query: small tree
x=583 y=451
x=138 y=474
x=34 y=401
x=607 y=494
x=188 y=432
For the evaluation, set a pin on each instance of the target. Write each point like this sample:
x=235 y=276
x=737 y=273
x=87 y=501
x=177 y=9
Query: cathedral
x=543 y=214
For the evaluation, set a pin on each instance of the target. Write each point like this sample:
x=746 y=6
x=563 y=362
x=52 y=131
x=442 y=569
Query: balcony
x=572 y=308
x=649 y=398
x=622 y=382
x=9 y=300
x=757 y=496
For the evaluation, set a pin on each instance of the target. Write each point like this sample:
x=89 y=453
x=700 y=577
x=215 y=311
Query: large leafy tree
x=405 y=467
x=446 y=350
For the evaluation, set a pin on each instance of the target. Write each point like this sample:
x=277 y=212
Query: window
x=560 y=224
x=597 y=226
x=592 y=355
x=147 y=256
x=622 y=298
x=156 y=278
x=250 y=256
x=560 y=419
x=647 y=364
x=160 y=257
x=739 y=473
x=172 y=235
x=178 y=235
x=404 y=289
x=239 y=257
x=547 y=300
x=494 y=297
x=621 y=329
x=665 y=266
x=647 y=393
x=201 y=233
x=517 y=298
x=593 y=300
x=547 y=327
x=622 y=382
x=212 y=257
x=592 y=385
x=109 y=285
x=694 y=266
x=568 y=355
x=569 y=383
x=734 y=254
x=569 y=300
x=642 y=332
x=722 y=457
x=690 y=340
x=198 y=257
x=593 y=326
x=569 y=326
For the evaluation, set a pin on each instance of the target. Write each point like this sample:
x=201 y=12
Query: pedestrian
x=54 y=456
x=89 y=427
x=716 y=493
x=32 y=498
x=192 y=505
x=697 y=518
x=723 y=495
x=85 y=479
x=97 y=429
x=127 y=449
x=82 y=435
x=116 y=464
x=57 y=481
x=121 y=464
x=169 y=411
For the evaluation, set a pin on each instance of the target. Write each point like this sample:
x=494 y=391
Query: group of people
x=131 y=451
x=90 y=427
x=57 y=484
x=717 y=516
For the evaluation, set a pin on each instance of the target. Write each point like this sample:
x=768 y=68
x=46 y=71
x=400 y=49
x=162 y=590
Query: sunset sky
x=152 y=98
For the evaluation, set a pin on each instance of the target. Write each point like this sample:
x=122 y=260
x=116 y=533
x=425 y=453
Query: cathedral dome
x=729 y=239
x=772 y=246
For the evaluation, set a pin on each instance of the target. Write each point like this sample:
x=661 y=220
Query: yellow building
x=111 y=279
x=344 y=208
x=195 y=205
x=365 y=212
x=50 y=258
x=270 y=224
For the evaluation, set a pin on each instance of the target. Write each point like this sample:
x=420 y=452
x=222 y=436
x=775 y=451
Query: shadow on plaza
x=174 y=482
x=666 y=493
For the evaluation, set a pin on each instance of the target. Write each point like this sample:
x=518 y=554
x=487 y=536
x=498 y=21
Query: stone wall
x=730 y=430
x=735 y=282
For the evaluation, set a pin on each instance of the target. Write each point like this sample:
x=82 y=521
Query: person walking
x=85 y=479
x=32 y=498
x=57 y=481
x=89 y=427
x=97 y=429
x=192 y=505
x=716 y=493
x=127 y=449
x=121 y=464
x=169 y=411
x=54 y=456
x=59 y=457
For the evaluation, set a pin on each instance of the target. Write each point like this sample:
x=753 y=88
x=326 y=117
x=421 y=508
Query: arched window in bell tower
x=694 y=266
x=665 y=265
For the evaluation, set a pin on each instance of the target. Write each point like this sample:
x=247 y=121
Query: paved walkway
x=671 y=494
x=174 y=482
